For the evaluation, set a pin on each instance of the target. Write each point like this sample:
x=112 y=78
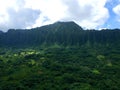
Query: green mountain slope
x=60 y=56
x=62 y=33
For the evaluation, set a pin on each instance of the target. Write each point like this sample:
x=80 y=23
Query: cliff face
x=63 y=33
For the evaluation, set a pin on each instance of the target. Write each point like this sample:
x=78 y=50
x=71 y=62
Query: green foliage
x=100 y=57
x=60 y=68
x=95 y=71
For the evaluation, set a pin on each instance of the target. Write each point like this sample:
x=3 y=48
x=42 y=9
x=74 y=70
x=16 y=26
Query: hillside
x=62 y=33
x=60 y=56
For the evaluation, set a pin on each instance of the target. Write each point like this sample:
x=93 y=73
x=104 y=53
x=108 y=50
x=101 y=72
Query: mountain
x=58 y=26
x=66 y=26
x=1 y=32
x=60 y=56
x=62 y=33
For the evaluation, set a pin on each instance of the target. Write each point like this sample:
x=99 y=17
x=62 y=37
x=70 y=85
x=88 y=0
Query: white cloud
x=15 y=15
x=116 y=10
x=51 y=10
x=87 y=13
x=22 y=18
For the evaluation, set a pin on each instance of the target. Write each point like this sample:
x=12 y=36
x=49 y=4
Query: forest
x=60 y=56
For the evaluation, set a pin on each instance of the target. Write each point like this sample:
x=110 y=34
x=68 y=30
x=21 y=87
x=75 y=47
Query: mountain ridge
x=62 y=33
x=58 y=25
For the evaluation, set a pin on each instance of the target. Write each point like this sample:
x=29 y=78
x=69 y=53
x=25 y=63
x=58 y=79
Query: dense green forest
x=60 y=56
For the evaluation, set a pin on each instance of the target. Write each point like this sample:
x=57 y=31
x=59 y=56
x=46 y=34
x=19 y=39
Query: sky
x=89 y=14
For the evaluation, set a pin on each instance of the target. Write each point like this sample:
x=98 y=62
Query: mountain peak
x=60 y=22
x=1 y=31
x=66 y=25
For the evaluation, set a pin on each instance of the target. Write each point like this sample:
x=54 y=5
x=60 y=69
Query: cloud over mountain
x=88 y=13
x=33 y=13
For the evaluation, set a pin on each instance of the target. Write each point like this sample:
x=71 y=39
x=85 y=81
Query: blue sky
x=112 y=20
x=90 y=14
